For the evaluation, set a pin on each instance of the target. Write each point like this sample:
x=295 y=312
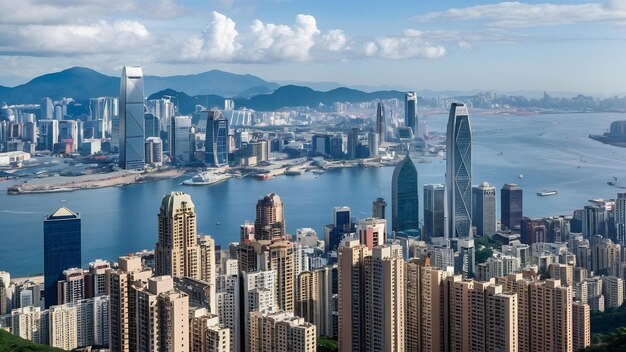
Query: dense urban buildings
x=131 y=119
x=459 y=172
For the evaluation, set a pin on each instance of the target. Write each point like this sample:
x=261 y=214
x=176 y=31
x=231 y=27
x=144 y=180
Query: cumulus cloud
x=216 y=42
x=519 y=14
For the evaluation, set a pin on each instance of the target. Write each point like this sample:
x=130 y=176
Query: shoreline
x=70 y=184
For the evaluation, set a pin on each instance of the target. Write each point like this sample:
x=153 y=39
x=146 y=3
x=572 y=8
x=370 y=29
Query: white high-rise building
x=131 y=120
x=227 y=297
x=63 y=329
x=484 y=209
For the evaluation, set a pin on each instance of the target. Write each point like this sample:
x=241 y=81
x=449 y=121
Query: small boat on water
x=546 y=193
x=206 y=178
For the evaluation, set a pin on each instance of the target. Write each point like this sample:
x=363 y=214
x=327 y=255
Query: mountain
x=211 y=82
x=286 y=96
x=79 y=83
x=83 y=83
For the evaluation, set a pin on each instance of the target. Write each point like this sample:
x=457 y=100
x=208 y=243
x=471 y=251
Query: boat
x=546 y=193
x=206 y=178
x=520 y=176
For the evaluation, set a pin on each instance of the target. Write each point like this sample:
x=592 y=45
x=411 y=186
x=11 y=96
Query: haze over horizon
x=507 y=46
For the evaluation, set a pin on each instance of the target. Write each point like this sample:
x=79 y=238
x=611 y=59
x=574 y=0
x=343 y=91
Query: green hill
x=12 y=343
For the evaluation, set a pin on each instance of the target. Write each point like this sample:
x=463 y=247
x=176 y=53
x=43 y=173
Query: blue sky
x=574 y=46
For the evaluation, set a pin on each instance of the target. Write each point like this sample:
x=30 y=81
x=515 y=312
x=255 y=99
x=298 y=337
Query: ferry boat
x=546 y=193
x=206 y=178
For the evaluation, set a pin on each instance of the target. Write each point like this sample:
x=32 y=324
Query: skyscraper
x=48 y=134
x=176 y=251
x=379 y=207
x=410 y=111
x=405 y=199
x=47 y=109
x=381 y=127
x=270 y=218
x=342 y=224
x=459 y=172
x=180 y=141
x=61 y=247
x=131 y=118
x=511 y=206
x=353 y=143
x=484 y=209
x=620 y=219
x=216 y=142
x=434 y=211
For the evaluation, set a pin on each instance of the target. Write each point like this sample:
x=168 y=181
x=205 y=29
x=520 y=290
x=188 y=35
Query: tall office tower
x=61 y=247
x=48 y=134
x=434 y=211
x=379 y=207
x=180 y=141
x=342 y=224
x=131 y=122
x=351 y=272
x=162 y=316
x=95 y=280
x=122 y=313
x=484 y=209
x=384 y=299
x=72 y=286
x=373 y=142
x=47 y=109
x=5 y=280
x=594 y=221
x=280 y=331
x=281 y=259
x=613 y=291
x=176 y=252
x=405 y=199
x=152 y=125
x=216 y=142
x=353 y=142
x=381 y=126
x=228 y=305
x=372 y=232
x=154 y=151
x=307 y=297
x=620 y=219
x=410 y=111
x=270 y=218
x=459 y=172
x=68 y=134
x=511 y=206
x=205 y=332
x=581 y=328
x=62 y=324
x=115 y=133
x=208 y=272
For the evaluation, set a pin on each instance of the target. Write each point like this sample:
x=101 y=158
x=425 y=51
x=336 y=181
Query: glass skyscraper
x=410 y=111
x=216 y=142
x=405 y=199
x=380 y=122
x=131 y=119
x=459 y=172
x=511 y=206
x=434 y=211
x=61 y=247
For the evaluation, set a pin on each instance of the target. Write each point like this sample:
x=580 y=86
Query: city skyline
x=418 y=49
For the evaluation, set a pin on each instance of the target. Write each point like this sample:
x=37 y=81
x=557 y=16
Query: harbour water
x=550 y=151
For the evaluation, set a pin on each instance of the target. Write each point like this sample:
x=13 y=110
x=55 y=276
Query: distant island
x=616 y=135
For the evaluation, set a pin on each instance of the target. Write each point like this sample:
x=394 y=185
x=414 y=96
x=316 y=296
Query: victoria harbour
x=538 y=152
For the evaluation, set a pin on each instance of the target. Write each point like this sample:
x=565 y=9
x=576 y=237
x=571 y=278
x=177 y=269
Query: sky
x=560 y=46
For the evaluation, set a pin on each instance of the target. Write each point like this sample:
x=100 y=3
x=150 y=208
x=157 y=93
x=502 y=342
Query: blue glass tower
x=410 y=111
x=459 y=172
x=216 y=142
x=405 y=199
x=61 y=248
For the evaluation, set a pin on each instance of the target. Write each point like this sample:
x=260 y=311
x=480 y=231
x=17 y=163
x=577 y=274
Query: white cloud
x=411 y=44
x=519 y=14
x=216 y=42
x=334 y=40
x=65 y=39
